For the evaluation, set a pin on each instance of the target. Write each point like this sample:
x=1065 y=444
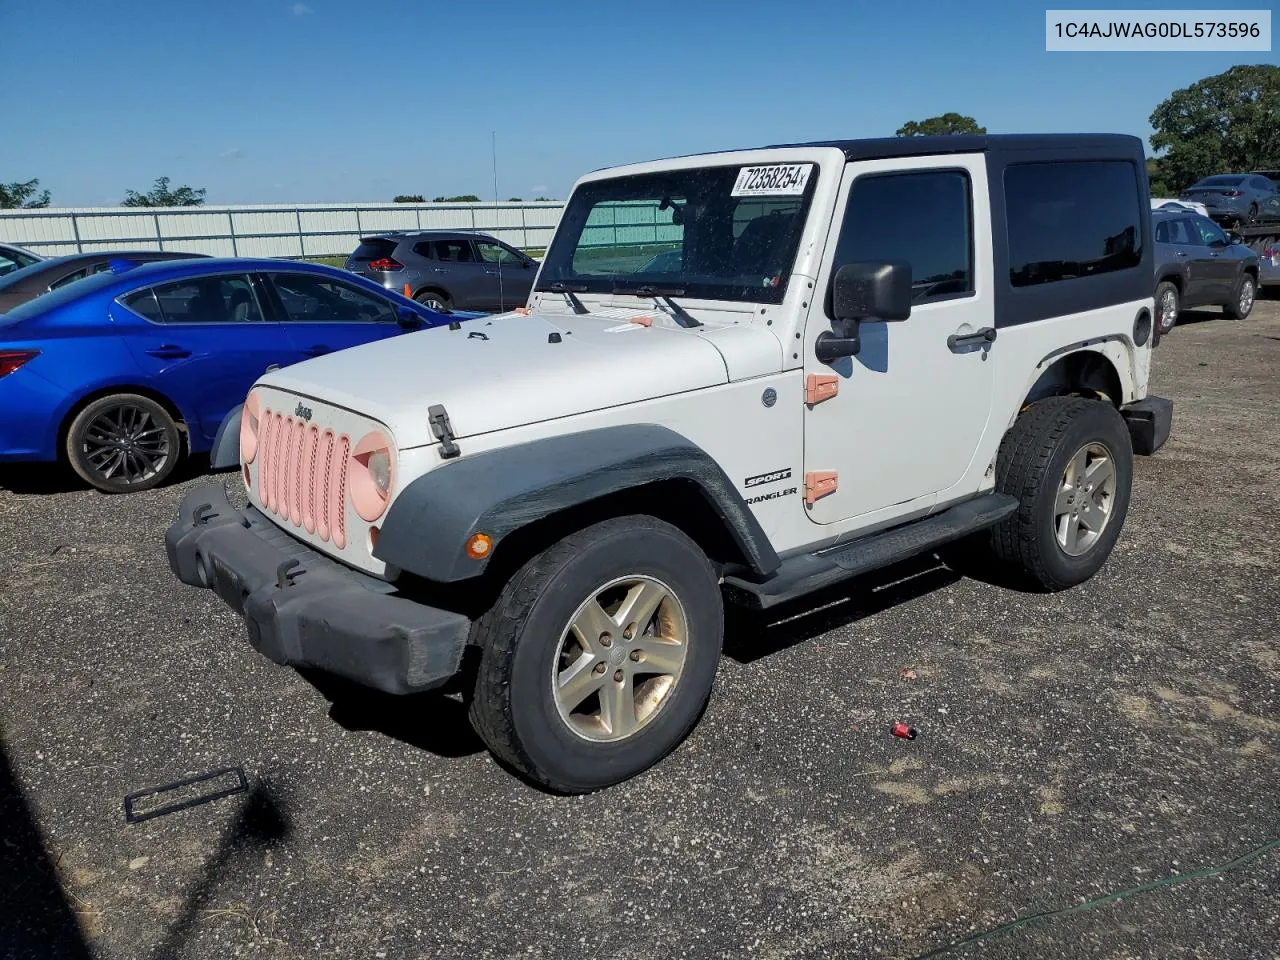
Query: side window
x=69 y=278
x=1210 y=233
x=454 y=251
x=424 y=249
x=923 y=218
x=496 y=253
x=1162 y=232
x=144 y=304
x=1071 y=219
x=199 y=300
x=313 y=299
x=1262 y=183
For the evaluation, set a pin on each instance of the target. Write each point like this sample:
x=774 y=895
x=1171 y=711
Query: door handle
x=1179 y=253
x=492 y=273
x=437 y=269
x=169 y=351
x=957 y=343
x=1215 y=254
x=319 y=350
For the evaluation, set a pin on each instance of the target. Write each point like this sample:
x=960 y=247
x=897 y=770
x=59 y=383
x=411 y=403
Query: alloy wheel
x=1086 y=495
x=124 y=443
x=620 y=658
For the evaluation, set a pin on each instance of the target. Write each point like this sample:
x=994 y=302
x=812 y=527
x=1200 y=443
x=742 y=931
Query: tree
x=161 y=196
x=1156 y=177
x=1221 y=124
x=463 y=198
x=514 y=200
x=408 y=198
x=945 y=124
x=13 y=195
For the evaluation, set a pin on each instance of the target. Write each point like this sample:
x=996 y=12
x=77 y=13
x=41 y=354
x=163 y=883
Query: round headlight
x=249 y=428
x=372 y=475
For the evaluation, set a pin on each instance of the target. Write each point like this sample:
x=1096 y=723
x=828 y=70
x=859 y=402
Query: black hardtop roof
x=1108 y=144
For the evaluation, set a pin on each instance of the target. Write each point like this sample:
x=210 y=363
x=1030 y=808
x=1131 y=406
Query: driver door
x=892 y=430
x=323 y=315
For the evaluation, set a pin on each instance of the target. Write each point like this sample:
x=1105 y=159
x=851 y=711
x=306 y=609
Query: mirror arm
x=830 y=347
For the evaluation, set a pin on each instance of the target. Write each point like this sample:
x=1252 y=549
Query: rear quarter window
x=374 y=249
x=1072 y=219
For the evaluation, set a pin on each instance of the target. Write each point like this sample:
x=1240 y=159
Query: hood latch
x=438 y=417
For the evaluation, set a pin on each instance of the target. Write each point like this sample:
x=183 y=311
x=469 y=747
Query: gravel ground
x=1070 y=747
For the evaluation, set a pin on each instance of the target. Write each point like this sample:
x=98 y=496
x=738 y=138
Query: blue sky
x=265 y=101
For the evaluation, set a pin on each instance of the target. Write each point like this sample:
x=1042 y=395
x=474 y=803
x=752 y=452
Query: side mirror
x=864 y=291
x=407 y=319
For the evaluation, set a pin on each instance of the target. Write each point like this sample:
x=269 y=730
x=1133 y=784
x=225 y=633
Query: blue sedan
x=122 y=373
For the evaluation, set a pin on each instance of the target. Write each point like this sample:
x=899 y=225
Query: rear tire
x=434 y=300
x=1242 y=298
x=1069 y=461
x=577 y=715
x=1167 y=306
x=123 y=443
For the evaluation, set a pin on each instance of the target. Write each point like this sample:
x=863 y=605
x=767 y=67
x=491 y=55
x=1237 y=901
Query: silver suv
x=447 y=270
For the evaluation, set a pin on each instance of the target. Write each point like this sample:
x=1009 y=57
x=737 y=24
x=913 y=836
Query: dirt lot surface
x=1071 y=747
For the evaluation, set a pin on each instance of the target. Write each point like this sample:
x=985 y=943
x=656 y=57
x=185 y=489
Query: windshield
x=719 y=233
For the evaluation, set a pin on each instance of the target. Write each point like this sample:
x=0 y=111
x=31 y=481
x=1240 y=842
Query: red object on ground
x=900 y=729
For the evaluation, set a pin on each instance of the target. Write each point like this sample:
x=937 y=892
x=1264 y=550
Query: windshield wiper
x=569 y=289
x=664 y=294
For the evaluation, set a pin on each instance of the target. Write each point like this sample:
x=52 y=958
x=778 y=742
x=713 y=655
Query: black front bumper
x=305 y=610
x=1150 y=422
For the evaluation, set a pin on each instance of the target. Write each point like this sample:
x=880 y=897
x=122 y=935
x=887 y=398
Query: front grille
x=302 y=475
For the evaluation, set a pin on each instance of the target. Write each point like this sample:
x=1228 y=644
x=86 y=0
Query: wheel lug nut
x=599 y=668
x=606 y=640
x=635 y=655
x=630 y=631
x=617 y=675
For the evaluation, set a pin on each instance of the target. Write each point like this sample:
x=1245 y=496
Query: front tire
x=1069 y=461
x=599 y=655
x=1242 y=298
x=123 y=443
x=1167 y=305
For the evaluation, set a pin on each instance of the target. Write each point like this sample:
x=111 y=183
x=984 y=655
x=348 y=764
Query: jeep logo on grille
x=303 y=413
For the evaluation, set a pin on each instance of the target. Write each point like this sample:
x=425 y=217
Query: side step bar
x=808 y=572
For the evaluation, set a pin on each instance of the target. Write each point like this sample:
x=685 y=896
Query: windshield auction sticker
x=1135 y=30
x=775 y=180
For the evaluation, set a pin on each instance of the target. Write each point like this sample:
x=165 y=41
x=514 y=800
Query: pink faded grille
x=302 y=476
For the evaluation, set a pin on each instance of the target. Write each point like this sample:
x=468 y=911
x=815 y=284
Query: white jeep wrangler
x=743 y=375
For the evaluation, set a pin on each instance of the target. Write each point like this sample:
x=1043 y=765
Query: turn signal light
x=11 y=360
x=479 y=546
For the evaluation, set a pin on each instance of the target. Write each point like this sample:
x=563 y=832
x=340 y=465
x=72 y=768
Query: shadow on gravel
x=751 y=635
x=35 y=918
x=428 y=721
x=262 y=825
x=45 y=478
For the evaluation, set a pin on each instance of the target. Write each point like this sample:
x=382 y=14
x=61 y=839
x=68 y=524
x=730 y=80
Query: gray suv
x=447 y=270
x=1198 y=265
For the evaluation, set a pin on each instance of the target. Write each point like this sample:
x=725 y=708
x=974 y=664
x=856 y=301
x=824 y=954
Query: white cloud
x=235 y=153
x=300 y=10
x=539 y=190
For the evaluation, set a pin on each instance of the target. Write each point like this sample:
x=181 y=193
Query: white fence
x=311 y=230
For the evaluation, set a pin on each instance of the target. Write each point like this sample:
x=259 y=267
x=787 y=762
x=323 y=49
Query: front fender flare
x=225 y=452
x=500 y=491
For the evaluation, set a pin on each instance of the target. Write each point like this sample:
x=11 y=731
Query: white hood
x=508 y=371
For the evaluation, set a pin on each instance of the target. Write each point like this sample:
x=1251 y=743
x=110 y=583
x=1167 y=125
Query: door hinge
x=818 y=484
x=438 y=417
x=819 y=387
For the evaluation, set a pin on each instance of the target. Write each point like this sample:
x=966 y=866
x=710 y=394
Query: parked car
x=1198 y=265
x=39 y=278
x=572 y=497
x=1233 y=197
x=126 y=371
x=15 y=258
x=1269 y=265
x=1186 y=206
x=447 y=270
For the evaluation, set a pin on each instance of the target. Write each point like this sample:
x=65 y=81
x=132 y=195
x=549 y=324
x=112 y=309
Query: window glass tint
x=204 y=300
x=453 y=251
x=1176 y=231
x=69 y=278
x=1220 y=182
x=922 y=218
x=1208 y=232
x=312 y=299
x=1071 y=219
x=144 y=304
x=700 y=231
x=496 y=253
x=11 y=260
x=423 y=249
x=374 y=249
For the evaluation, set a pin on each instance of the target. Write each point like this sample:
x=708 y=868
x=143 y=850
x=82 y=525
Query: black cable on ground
x=1172 y=881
